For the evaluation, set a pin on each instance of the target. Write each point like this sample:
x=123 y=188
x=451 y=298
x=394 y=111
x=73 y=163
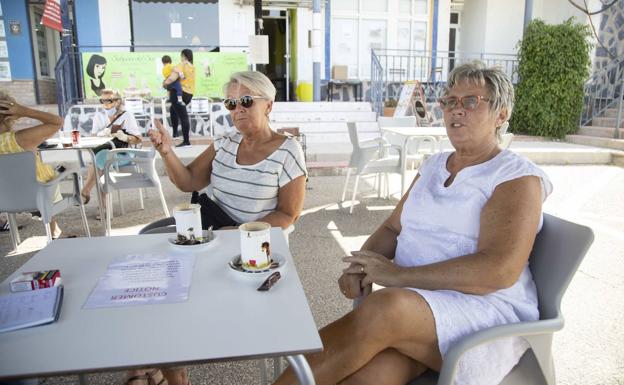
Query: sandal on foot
x=85 y=198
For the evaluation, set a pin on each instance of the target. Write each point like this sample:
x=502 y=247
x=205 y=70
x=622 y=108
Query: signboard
x=140 y=73
x=412 y=103
x=52 y=15
x=15 y=27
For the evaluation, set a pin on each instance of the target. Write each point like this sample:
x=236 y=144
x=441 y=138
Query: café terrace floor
x=587 y=351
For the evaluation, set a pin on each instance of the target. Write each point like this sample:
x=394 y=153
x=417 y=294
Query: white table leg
x=302 y=370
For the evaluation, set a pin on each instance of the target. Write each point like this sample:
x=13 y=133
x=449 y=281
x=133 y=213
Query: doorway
x=453 y=45
x=46 y=46
x=276 y=26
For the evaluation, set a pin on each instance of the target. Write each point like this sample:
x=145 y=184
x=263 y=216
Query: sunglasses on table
x=468 y=102
x=245 y=101
x=108 y=101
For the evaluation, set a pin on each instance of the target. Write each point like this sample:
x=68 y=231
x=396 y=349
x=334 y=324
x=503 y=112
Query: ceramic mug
x=188 y=220
x=255 y=245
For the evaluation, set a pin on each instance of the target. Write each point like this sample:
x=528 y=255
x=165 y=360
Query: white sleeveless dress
x=441 y=223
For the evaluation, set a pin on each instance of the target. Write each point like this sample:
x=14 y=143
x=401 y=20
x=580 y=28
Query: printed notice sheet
x=143 y=280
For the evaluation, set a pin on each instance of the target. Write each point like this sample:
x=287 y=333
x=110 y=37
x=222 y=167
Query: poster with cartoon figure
x=139 y=74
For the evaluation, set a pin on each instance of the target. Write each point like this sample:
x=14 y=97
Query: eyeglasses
x=108 y=101
x=245 y=101
x=468 y=102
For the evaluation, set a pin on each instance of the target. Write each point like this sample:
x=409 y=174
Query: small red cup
x=75 y=137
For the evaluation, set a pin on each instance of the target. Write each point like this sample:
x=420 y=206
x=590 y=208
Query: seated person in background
x=28 y=139
x=174 y=89
x=113 y=122
x=453 y=255
x=256 y=174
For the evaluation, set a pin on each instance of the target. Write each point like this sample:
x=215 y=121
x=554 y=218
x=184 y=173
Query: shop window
x=373 y=36
x=345 y=5
x=344 y=51
x=176 y=23
x=375 y=5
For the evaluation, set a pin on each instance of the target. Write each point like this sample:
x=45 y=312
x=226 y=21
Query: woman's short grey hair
x=497 y=82
x=256 y=81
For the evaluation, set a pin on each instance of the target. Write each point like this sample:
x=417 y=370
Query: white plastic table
x=87 y=143
x=225 y=317
x=407 y=133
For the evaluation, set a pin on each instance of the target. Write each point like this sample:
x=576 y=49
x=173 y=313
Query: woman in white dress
x=453 y=255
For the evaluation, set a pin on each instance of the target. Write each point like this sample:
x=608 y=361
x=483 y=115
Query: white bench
x=326 y=122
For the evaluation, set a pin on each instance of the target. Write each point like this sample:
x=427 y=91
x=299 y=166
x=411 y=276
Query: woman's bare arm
x=289 y=203
x=193 y=177
x=30 y=138
x=508 y=226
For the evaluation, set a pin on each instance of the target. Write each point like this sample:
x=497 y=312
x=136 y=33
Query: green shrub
x=554 y=65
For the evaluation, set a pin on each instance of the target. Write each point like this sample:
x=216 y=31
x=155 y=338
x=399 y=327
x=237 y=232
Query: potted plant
x=389 y=107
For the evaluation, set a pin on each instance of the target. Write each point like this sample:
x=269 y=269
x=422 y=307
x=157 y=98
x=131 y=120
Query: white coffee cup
x=255 y=245
x=188 y=220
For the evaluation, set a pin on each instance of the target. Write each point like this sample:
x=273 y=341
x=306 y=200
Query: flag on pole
x=52 y=15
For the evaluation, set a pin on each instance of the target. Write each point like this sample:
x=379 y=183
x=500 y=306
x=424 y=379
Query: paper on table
x=142 y=280
x=30 y=308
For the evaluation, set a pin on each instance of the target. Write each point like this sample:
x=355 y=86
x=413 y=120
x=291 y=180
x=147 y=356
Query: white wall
x=444 y=12
x=115 y=23
x=236 y=23
x=472 y=24
x=557 y=11
x=504 y=26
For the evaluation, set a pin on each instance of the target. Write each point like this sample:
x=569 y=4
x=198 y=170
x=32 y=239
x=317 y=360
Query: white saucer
x=202 y=245
x=278 y=261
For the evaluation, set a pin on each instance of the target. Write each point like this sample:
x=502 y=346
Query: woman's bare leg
x=89 y=183
x=389 y=368
x=389 y=318
x=176 y=376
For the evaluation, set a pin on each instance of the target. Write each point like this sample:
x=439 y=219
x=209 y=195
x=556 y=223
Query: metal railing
x=393 y=67
x=604 y=90
x=68 y=91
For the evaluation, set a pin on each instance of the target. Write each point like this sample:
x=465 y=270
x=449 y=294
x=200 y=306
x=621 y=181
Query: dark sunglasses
x=245 y=101
x=468 y=102
x=107 y=101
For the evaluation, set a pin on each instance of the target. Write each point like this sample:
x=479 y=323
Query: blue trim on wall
x=88 y=30
x=19 y=46
x=434 y=40
x=328 y=40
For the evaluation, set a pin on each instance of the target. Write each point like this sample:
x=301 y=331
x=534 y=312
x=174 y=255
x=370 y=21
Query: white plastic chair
x=200 y=111
x=21 y=192
x=143 y=111
x=505 y=140
x=370 y=157
x=139 y=174
x=417 y=148
x=557 y=253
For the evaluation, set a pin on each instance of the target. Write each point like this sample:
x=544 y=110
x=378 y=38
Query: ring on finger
x=362 y=269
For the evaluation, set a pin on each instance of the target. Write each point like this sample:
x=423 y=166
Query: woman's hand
x=12 y=110
x=121 y=136
x=351 y=283
x=161 y=140
x=376 y=268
